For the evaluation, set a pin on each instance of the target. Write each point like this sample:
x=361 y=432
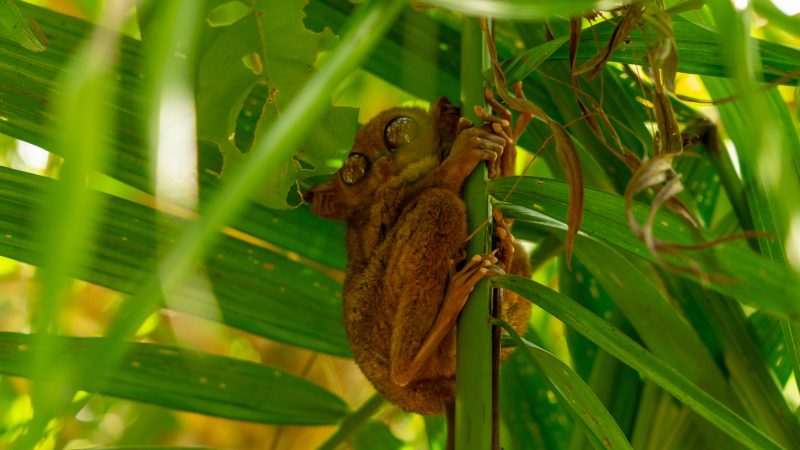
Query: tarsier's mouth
x=322 y=200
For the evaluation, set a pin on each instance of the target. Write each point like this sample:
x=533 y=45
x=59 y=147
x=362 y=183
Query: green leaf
x=256 y=289
x=353 y=422
x=266 y=46
x=700 y=49
x=773 y=346
x=27 y=86
x=15 y=27
x=576 y=396
x=535 y=418
x=732 y=269
x=631 y=353
x=526 y=62
x=670 y=338
x=374 y=435
x=184 y=379
x=524 y=9
x=615 y=384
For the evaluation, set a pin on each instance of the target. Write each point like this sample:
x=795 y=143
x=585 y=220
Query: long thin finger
x=486 y=117
x=495 y=105
x=501 y=132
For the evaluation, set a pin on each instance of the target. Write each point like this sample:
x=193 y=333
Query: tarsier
x=399 y=193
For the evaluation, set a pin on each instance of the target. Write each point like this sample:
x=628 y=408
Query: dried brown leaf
x=593 y=66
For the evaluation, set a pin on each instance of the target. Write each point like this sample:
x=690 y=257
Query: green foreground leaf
x=256 y=289
x=626 y=350
x=15 y=27
x=183 y=379
x=579 y=398
x=730 y=269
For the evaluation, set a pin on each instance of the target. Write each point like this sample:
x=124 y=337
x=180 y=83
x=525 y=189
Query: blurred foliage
x=248 y=349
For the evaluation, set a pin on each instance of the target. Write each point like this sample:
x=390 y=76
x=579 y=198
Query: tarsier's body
x=399 y=194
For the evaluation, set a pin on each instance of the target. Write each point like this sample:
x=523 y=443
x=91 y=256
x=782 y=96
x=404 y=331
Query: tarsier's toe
x=505 y=240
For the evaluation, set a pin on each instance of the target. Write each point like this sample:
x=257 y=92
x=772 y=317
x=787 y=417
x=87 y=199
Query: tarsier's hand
x=473 y=145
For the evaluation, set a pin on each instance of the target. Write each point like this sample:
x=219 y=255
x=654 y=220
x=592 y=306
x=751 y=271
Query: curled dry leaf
x=593 y=66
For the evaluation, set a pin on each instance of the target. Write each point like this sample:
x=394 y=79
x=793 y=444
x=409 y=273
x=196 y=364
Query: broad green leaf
x=183 y=379
x=256 y=289
x=15 y=27
x=577 y=397
x=631 y=353
x=266 y=45
x=731 y=269
x=525 y=10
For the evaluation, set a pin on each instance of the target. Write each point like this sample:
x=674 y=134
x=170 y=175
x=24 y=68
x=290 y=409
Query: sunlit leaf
x=266 y=47
x=14 y=26
x=184 y=379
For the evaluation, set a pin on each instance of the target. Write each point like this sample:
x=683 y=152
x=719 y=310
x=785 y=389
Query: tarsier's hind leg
x=429 y=295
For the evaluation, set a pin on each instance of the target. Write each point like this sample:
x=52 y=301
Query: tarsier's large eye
x=400 y=131
x=354 y=168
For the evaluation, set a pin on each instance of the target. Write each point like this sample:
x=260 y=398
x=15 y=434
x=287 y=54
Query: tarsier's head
x=389 y=144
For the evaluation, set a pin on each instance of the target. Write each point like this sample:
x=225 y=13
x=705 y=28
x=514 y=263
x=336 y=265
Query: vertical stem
x=474 y=357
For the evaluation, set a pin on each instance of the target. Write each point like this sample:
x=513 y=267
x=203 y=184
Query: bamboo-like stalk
x=474 y=357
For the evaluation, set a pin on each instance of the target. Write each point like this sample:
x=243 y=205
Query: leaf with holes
x=263 y=48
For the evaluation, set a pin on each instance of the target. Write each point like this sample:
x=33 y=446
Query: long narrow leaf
x=730 y=269
x=631 y=353
x=256 y=289
x=15 y=27
x=185 y=380
x=575 y=394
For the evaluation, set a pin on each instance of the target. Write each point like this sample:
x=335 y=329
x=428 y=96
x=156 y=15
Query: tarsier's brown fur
x=406 y=232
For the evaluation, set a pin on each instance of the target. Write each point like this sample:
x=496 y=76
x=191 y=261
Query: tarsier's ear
x=445 y=117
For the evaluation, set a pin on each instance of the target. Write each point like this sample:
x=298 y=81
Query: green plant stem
x=474 y=356
x=353 y=420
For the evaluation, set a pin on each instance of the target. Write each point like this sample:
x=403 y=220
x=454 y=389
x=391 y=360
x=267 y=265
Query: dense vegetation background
x=160 y=283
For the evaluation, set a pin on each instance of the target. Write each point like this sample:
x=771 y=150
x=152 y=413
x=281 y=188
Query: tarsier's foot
x=461 y=284
x=505 y=240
